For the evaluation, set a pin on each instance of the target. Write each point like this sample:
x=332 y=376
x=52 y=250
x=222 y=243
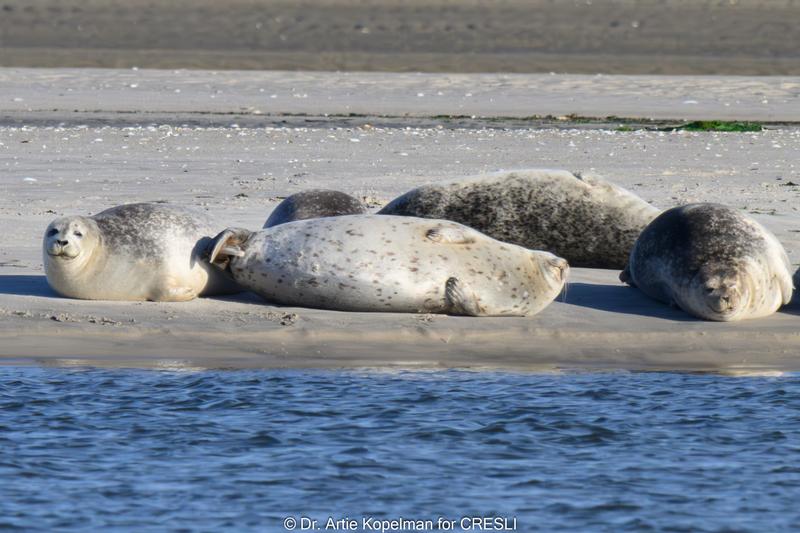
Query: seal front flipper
x=459 y=299
x=174 y=294
x=226 y=244
x=450 y=235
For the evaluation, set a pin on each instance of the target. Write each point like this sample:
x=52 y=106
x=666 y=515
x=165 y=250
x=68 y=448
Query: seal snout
x=559 y=268
x=720 y=304
x=59 y=246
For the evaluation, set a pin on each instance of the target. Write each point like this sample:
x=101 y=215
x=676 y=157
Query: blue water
x=132 y=450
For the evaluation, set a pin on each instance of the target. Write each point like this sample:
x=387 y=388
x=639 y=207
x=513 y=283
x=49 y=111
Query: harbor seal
x=385 y=263
x=133 y=252
x=711 y=261
x=314 y=203
x=580 y=217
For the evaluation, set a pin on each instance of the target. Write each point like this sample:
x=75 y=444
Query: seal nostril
x=63 y=243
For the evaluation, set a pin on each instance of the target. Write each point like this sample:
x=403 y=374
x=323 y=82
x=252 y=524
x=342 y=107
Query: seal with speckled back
x=713 y=262
x=143 y=251
x=386 y=263
x=314 y=203
x=580 y=217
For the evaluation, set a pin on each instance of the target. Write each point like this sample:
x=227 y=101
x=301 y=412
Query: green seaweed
x=718 y=125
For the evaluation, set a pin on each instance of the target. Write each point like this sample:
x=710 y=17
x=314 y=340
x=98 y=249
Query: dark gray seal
x=711 y=261
x=315 y=203
x=133 y=252
x=582 y=218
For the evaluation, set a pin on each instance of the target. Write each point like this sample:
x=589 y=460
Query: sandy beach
x=77 y=142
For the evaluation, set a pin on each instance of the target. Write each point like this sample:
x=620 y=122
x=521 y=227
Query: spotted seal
x=314 y=203
x=580 y=217
x=140 y=251
x=711 y=261
x=386 y=263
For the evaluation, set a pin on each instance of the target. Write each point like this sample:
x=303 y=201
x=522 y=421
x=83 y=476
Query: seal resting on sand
x=133 y=252
x=580 y=217
x=314 y=203
x=711 y=261
x=385 y=263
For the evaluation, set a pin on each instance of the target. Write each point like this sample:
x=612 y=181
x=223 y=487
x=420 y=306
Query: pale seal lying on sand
x=711 y=261
x=314 y=203
x=582 y=218
x=133 y=252
x=383 y=263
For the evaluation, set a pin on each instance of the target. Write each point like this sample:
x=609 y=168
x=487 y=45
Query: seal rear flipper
x=459 y=299
x=625 y=276
x=450 y=235
x=226 y=244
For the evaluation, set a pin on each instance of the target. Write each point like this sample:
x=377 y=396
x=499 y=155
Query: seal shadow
x=243 y=297
x=793 y=307
x=22 y=285
x=621 y=299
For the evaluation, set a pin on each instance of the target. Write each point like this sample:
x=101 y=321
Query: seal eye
x=53 y=231
x=78 y=234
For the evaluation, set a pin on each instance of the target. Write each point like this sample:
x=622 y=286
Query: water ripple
x=208 y=451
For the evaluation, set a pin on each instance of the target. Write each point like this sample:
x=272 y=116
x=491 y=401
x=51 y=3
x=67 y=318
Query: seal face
x=711 y=261
x=132 y=252
x=314 y=203
x=582 y=218
x=386 y=263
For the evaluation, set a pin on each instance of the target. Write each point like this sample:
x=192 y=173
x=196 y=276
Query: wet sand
x=748 y=37
x=200 y=98
x=57 y=162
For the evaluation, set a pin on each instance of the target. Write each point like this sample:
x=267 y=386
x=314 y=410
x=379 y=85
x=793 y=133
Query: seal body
x=582 y=218
x=133 y=252
x=711 y=261
x=386 y=263
x=315 y=203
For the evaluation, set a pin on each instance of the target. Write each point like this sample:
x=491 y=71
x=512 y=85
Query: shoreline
x=600 y=327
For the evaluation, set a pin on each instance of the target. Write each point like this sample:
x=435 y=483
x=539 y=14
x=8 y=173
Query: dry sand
x=750 y=37
x=240 y=173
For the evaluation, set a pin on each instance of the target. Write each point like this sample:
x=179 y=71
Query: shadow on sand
x=23 y=285
x=613 y=298
x=621 y=299
x=794 y=306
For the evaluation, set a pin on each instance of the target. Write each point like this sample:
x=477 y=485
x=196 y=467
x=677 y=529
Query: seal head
x=68 y=238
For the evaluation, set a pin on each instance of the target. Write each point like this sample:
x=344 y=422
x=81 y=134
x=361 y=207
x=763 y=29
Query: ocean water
x=131 y=450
